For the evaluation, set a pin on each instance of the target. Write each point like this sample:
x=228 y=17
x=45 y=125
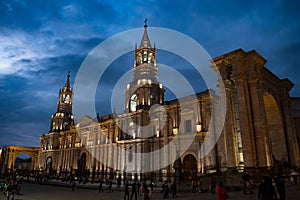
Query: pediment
x=187 y=109
x=85 y=121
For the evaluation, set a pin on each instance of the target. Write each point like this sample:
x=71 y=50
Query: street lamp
x=199 y=127
x=175 y=130
x=201 y=139
x=157 y=134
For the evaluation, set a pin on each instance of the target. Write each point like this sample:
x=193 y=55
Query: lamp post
x=201 y=139
x=175 y=130
x=199 y=127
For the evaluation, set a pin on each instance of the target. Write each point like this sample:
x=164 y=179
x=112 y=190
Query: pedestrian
x=212 y=185
x=138 y=187
x=221 y=192
x=110 y=185
x=126 y=191
x=12 y=188
x=246 y=178
x=174 y=189
x=150 y=192
x=100 y=187
x=166 y=190
x=8 y=189
x=73 y=184
x=145 y=192
x=294 y=175
x=151 y=185
x=193 y=186
x=280 y=187
x=118 y=183
x=266 y=191
x=199 y=186
x=133 y=191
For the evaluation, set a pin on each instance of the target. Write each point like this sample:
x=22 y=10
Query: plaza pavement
x=31 y=191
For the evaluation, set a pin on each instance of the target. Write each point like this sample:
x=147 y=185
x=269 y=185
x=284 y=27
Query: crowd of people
x=272 y=187
x=10 y=187
x=136 y=190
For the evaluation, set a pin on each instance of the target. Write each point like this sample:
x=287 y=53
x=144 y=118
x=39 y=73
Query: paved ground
x=32 y=191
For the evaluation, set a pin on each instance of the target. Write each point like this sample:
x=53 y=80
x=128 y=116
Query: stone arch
x=11 y=153
x=189 y=166
x=23 y=164
x=275 y=128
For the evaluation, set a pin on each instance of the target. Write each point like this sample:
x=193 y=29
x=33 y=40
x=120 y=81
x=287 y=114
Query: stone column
x=259 y=121
x=292 y=143
x=230 y=146
x=244 y=110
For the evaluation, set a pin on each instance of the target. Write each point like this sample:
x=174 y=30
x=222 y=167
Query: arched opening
x=48 y=166
x=23 y=164
x=133 y=103
x=189 y=167
x=82 y=166
x=275 y=128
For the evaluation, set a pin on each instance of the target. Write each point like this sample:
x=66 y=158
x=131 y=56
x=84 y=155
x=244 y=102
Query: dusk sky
x=40 y=41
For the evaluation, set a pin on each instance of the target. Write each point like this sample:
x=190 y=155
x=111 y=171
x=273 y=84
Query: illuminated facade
x=261 y=116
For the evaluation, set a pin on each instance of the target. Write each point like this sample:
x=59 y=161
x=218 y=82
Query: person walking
x=294 y=175
x=248 y=183
x=133 y=191
x=138 y=187
x=8 y=189
x=110 y=189
x=100 y=186
x=246 y=179
x=166 y=190
x=118 y=183
x=73 y=184
x=126 y=191
x=146 y=192
x=199 y=186
x=212 y=185
x=266 y=191
x=221 y=192
x=193 y=186
x=174 y=189
x=280 y=187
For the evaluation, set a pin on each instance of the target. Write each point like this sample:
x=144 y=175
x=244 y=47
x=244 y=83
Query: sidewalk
x=56 y=189
x=292 y=191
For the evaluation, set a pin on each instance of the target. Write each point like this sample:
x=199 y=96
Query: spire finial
x=145 y=43
x=68 y=80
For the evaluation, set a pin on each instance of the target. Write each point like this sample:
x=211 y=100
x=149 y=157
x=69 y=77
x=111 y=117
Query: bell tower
x=63 y=118
x=144 y=90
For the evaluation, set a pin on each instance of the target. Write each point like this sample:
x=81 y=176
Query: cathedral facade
x=155 y=139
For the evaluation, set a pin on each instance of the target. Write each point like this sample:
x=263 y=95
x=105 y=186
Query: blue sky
x=40 y=41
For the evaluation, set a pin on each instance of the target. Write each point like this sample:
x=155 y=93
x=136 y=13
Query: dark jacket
x=266 y=191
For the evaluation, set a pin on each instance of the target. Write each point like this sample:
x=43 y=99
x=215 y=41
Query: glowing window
x=133 y=102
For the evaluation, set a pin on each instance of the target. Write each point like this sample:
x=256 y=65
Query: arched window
x=150 y=57
x=67 y=100
x=153 y=99
x=139 y=59
x=133 y=102
x=145 y=56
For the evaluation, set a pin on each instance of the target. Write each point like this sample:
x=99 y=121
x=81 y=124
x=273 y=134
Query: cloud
x=13 y=49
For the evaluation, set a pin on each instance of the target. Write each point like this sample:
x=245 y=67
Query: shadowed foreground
x=32 y=191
